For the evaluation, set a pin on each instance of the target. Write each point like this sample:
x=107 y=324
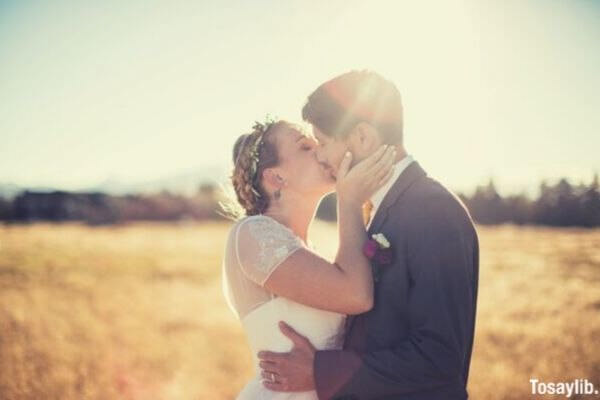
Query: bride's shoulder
x=252 y=223
x=258 y=219
x=263 y=228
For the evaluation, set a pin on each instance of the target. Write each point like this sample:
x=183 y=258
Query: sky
x=141 y=90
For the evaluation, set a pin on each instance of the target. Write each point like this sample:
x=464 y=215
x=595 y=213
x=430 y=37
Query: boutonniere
x=379 y=251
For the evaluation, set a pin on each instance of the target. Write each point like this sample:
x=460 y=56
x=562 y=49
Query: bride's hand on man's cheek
x=366 y=176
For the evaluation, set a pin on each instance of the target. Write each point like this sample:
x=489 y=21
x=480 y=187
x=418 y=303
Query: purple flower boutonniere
x=378 y=250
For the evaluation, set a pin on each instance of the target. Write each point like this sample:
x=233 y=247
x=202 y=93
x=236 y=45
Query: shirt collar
x=399 y=167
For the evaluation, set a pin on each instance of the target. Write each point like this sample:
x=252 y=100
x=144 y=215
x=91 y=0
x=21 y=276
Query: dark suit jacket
x=416 y=341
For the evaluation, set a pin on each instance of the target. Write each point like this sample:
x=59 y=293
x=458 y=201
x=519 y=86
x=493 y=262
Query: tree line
x=561 y=204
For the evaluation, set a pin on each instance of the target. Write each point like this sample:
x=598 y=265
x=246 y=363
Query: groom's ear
x=364 y=139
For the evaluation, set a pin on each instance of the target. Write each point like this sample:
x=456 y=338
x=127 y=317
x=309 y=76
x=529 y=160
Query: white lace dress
x=256 y=246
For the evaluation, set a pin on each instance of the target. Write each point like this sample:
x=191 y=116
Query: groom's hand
x=293 y=371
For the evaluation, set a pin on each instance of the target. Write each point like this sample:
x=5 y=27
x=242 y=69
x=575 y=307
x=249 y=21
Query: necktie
x=366 y=211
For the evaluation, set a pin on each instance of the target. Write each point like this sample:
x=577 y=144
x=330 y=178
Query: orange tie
x=366 y=211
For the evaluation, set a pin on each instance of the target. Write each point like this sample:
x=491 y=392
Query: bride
x=270 y=272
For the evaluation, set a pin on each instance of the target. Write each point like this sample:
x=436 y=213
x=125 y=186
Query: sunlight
x=103 y=105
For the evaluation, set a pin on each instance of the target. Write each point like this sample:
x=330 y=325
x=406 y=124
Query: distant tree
x=6 y=209
x=590 y=204
x=486 y=205
x=557 y=205
x=566 y=210
x=519 y=209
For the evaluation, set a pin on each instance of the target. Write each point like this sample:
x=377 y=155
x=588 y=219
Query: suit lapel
x=406 y=178
x=412 y=172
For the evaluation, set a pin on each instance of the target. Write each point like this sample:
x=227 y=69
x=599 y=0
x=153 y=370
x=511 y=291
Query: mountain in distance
x=9 y=190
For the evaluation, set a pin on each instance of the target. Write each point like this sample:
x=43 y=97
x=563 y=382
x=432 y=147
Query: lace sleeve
x=262 y=244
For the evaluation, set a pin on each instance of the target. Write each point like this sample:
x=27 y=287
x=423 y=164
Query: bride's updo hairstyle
x=252 y=153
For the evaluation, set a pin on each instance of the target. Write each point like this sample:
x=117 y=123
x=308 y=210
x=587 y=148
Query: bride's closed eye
x=307 y=144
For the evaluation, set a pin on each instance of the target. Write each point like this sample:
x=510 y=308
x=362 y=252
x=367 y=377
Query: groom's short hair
x=339 y=104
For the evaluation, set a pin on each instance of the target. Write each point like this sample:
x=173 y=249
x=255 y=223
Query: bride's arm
x=345 y=286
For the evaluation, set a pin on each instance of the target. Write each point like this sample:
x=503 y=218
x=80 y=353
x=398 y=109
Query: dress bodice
x=250 y=257
x=323 y=328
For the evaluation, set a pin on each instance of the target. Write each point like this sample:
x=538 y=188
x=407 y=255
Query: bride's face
x=329 y=151
x=298 y=164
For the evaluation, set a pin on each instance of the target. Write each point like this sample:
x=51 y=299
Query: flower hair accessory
x=259 y=129
x=379 y=251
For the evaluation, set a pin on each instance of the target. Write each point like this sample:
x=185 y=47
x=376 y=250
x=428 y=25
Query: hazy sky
x=138 y=90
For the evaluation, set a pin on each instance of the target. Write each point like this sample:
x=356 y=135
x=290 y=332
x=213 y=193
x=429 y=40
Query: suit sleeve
x=440 y=309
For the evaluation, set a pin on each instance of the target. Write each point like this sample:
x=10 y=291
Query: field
x=136 y=312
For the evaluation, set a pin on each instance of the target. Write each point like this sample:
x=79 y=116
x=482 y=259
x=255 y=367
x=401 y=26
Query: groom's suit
x=416 y=341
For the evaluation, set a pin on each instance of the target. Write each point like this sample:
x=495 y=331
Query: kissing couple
x=393 y=315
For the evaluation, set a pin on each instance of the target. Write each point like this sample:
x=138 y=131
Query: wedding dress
x=256 y=246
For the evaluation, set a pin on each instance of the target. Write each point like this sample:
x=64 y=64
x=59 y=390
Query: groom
x=416 y=341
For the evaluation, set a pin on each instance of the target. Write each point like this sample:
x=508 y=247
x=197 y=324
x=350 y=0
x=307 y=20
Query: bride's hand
x=362 y=181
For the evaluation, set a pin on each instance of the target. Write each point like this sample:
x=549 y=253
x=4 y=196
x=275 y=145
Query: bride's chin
x=329 y=186
x=325 y=187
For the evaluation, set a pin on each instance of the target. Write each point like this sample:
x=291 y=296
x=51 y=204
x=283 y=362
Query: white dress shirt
x=379 y=195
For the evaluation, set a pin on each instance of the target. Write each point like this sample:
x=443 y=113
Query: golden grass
x=136 y=312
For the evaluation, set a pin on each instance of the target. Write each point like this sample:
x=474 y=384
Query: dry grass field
x=136 y=312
